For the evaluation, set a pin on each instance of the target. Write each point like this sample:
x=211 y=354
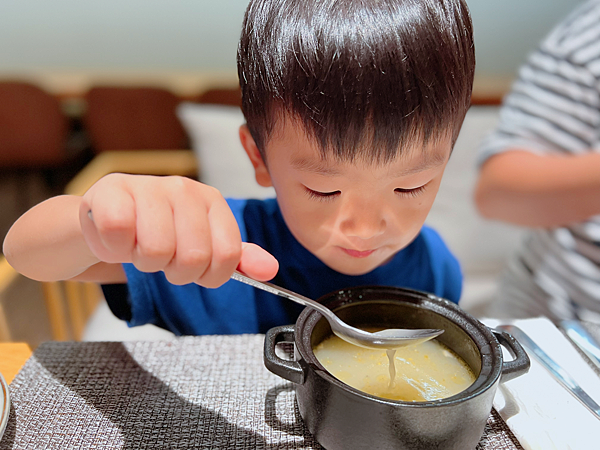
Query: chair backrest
x=133 y=118
x=33 y=128
x=221 y=96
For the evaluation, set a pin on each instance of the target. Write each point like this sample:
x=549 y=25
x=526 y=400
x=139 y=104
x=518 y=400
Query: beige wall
x=66 y=45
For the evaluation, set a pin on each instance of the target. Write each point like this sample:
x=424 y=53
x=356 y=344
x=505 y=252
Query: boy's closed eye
x=323 y=196
x=413 y=192
x=327 y=196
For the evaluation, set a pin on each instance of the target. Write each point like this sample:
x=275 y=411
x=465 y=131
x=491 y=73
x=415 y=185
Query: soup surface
x=423 y=372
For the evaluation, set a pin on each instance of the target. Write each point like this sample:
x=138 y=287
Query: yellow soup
x=422 y=372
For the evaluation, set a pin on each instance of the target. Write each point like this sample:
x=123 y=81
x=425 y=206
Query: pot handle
x=292 y=371
x=520 y=364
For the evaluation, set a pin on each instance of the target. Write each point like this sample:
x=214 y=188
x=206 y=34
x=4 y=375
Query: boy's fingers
x=226 y=244
x=91 y=235
x=194 y=246
x=108 y=224
x=257 y=263
x=155 y=232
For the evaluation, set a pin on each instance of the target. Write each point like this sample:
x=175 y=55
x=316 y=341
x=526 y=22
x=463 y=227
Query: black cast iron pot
x=344 y=418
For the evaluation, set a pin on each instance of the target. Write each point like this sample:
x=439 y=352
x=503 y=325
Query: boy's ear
x=260 y=168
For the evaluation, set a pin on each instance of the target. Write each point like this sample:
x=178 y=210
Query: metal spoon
x=385 y=339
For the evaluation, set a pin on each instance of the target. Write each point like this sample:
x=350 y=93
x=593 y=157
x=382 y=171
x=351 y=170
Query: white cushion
x=213 y=130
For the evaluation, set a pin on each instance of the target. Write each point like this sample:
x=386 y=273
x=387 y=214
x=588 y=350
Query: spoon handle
x=283 y=292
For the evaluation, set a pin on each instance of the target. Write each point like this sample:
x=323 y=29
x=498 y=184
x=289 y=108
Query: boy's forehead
x=409 y=161
x=305 y=154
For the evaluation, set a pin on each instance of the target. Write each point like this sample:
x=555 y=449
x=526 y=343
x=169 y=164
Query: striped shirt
x=554 y=107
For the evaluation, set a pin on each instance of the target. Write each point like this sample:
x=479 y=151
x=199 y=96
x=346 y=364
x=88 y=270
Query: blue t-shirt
x=426 y=264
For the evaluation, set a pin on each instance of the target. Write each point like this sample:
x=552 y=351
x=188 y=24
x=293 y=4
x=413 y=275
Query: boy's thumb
x=257 y=263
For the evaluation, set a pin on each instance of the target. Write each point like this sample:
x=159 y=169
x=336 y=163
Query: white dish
x=4 y=405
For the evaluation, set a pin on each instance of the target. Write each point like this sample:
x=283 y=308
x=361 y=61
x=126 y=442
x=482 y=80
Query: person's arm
x=46 y=244
x=170 y=224
x=534 y=190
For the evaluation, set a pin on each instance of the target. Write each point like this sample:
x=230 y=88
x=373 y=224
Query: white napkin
x=539 y=411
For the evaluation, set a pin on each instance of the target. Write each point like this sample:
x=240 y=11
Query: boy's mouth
x=357 y=253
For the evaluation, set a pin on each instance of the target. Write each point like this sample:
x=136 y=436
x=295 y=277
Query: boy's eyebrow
x=432 y=159
x=317 y=167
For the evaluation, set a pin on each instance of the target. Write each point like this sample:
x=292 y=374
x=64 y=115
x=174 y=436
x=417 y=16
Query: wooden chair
x=133 y=118
x=221 y=96
x=33 y=128
x=34 y=135
x=69 y=303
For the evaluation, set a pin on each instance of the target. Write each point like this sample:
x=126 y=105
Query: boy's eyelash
x=410 y=192
x=322 y=196
x=328 y=196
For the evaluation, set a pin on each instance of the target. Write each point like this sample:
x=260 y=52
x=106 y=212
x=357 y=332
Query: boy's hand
x=171 y=224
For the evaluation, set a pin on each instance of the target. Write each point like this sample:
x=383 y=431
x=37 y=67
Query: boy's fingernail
x=90 y=215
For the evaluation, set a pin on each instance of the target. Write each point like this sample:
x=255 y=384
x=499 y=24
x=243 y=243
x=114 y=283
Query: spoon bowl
x=385 y=339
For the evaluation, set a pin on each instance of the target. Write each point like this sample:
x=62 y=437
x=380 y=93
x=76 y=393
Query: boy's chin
x=355 y=270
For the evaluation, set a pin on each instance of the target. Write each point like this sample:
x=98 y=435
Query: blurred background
x=64 y=44
x=58 y=59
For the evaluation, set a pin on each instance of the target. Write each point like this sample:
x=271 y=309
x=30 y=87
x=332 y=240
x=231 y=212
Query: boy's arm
x=46 y=244
x=534 y=190
x=170 y=224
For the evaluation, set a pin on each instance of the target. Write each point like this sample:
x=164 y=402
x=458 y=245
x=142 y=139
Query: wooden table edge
x=12 y=357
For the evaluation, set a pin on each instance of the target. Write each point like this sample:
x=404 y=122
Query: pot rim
x=489 y=348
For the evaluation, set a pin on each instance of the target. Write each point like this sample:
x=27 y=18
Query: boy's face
x=352 y=216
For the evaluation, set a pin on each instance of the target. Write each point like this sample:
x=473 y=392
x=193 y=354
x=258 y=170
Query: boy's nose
x=362 y=222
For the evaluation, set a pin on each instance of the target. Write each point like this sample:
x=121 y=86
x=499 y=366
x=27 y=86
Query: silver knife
x=580 y=336
x=555 y=370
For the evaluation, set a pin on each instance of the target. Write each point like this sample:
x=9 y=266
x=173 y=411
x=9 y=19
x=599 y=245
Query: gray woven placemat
x=208 y=392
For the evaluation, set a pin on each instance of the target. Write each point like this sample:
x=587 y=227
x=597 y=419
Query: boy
x=352 y=109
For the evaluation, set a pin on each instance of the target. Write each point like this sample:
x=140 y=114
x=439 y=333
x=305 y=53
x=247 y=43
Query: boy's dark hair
x=364 y=77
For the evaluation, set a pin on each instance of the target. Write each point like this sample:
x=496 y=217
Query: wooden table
x=12 y=357
x=150 y=162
